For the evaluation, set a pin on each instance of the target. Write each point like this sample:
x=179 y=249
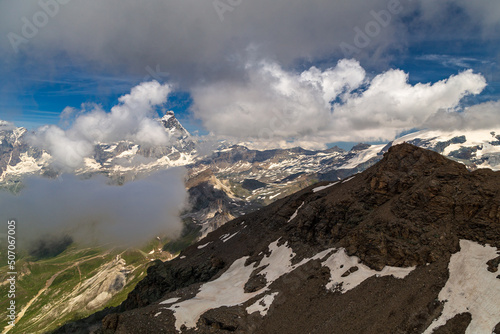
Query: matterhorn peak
x=171 y=124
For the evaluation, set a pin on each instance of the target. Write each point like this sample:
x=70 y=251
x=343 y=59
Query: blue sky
x=86 y=52
x=40 y=101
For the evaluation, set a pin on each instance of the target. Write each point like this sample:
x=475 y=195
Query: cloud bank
x=132 y=119
x=341 y=103
x=93 y=212
x=480 y=116
x=192 y=38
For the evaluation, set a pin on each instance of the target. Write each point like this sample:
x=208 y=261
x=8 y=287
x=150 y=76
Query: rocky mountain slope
x=411 y=245
x=232 y=181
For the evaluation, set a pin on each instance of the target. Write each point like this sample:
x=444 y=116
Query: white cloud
x=132 y=119
x=391 y=105
x=6 y=126
x=348 y=75
x=273 y=103
x=275 y=107
x=481 y=116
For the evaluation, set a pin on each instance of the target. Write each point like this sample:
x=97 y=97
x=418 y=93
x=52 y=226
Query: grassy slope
x=37 y=273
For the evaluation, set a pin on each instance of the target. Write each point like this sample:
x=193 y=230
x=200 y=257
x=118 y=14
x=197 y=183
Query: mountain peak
x=405 y=157
x=170 y=122
x=360 y=147
x=169 y=114
x=394 y=211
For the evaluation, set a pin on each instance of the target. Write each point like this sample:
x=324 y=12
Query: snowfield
x=472 y=289
x=228 y=289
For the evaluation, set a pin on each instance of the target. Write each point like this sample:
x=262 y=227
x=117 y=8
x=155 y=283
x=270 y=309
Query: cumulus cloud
x=478 y=117
x=391 y=105
x=273 y=103
x=132 y=119
x=279 y=107
x=93 y=212
x=191 y=42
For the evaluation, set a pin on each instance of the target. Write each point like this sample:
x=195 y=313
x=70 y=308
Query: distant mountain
x=250 y=178
x=474 y=148
x=119 y=160
x=410 y=245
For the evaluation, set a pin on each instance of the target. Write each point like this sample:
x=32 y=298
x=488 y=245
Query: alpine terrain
x=410 y=245
x=231 y=181
x=223 y=184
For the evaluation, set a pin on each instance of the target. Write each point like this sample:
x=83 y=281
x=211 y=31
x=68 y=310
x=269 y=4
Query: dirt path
x=80 y=280
x=47 y=285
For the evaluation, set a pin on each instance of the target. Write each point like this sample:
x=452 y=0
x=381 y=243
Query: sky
x=271 y=73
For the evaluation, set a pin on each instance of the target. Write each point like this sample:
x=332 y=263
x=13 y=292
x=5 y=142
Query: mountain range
x=233 y=180
x=410 y=245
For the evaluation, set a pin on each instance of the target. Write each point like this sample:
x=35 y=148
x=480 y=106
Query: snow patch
x=157 y=314
x=349 y=179
x=273 y=196
x=128 y=153
x=228 y=289
x=26 y=165
x=226 y=237
x=262 y=305
x=169 y=301
x=340 y=262
x=296 y=212
x=91 y=164
x=471 y=288
x=363 y=157
x=315 y=190
x=204 y=245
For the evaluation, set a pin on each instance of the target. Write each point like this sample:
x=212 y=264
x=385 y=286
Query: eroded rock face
x=411 y=209
x=94 y=292
x=409 y=213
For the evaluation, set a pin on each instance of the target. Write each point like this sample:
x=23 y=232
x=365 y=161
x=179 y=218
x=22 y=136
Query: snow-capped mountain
x=120 y=160
x=474 y=148
x=272 y=168
x=17 y=158
x=410 y=245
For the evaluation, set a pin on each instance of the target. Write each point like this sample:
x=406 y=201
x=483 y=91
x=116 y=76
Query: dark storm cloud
x=191 y=37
